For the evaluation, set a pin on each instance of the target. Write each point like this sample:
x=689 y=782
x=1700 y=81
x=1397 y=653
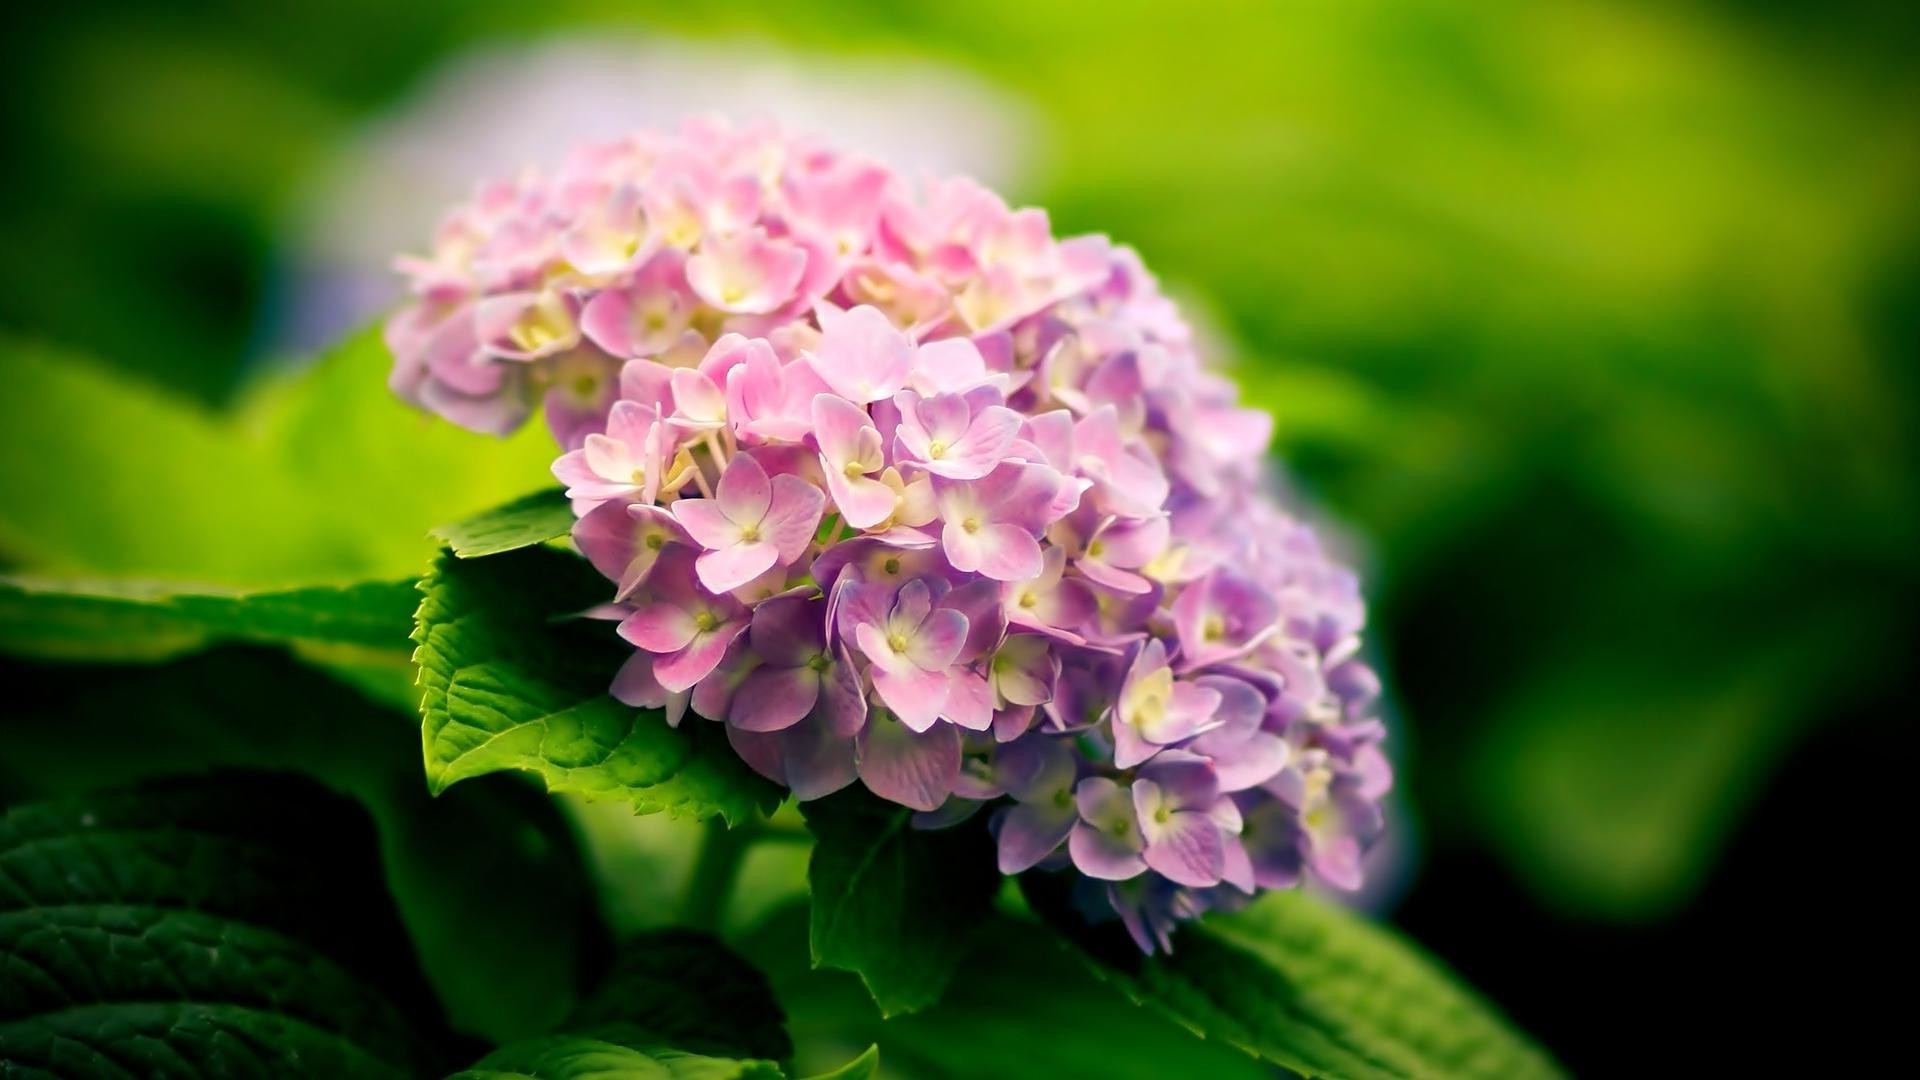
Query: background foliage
x=1594 y=321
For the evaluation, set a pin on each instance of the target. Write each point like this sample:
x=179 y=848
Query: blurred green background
x=1595 y=325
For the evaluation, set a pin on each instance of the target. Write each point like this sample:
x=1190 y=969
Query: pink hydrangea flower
x=891 y=482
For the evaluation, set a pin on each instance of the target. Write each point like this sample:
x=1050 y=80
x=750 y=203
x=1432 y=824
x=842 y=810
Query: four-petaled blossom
x=624 y=462
x=751 y=524
x=686 y=628
x=903 y=491
x=1222 y=616
x=798 y=673
x=1156 y=710
x=988 y=525
x=748 y=273
x=910 y=643
x=958 y=436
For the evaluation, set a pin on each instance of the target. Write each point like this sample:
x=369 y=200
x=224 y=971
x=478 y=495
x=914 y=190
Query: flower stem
x=714 y=871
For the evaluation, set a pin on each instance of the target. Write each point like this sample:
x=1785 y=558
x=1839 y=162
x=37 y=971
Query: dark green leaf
x=531 y=519
x=677 y=1004
x=513 y=680
x=896 y=905
x=225 y=927
x=1048 y=1015
x=1312 y=987
x=859 y=1068
x=576 y=1057
x=684 y=989
x=506 y=966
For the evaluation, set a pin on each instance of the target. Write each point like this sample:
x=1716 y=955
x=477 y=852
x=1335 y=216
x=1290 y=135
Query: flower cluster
x=902 y=490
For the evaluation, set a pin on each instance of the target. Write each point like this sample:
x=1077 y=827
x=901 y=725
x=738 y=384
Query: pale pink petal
x=861 y=356
x=729 y=568
x=744 y=492
x=845 y=434
x=963 y=546
x=660 y=628
x=793 y=513
x=863 y=501
x=704 y=653
x=706 y=523
x=916 y=695
x=938 y=640
x=696 y=398
x=969 y=701
x=915 y=769
x=1008 y=553
x=746 y=273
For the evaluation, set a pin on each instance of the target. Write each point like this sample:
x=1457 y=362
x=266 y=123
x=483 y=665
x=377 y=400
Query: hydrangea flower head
x=906 y=492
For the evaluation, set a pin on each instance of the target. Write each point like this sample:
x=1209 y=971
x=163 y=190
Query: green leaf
x=236 y=926
x=526 y=521
x=576 y=1057
x=358 y=632
x=319 y=475
x=513 y=680
x=896 y=905
x=1307 y=985
x=676 y=1004
x=1049 y=1016
x=684 y=989
x=505 y=968
x=859 y=1068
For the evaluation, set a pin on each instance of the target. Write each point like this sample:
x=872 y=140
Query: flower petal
x=914 y=769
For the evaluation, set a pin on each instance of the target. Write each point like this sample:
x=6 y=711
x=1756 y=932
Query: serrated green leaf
x=513 y=680
x=531 y=519
x=319 y=475
x=576 y=1057
x=224 y=927
x=1307 y=985
x=896 y=905
x=506 y=968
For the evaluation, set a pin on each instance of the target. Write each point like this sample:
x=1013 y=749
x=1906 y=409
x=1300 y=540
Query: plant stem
x=711 y=885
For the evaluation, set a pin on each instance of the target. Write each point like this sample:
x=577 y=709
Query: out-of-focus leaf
x=127 y=620
x=896 y=905
x=524 y=522
x=322 y=475
x=488 y=877
x=685 y=989
x=859 y=1068
x=1048 y=1014
x=676 y=1006
x=576 y=1057
x=513 y=681
x=225 y=927
x=1312 y=987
